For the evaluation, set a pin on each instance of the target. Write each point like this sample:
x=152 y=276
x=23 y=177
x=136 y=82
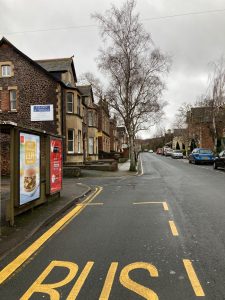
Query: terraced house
x=25 y=82
x=73 y=109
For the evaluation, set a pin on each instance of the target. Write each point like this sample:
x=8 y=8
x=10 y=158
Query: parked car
x=150 y=151
x=164 y=149
x=168 y=152
x=177 y=154
x=159 y=151
x=219 y=161
x=201 y=155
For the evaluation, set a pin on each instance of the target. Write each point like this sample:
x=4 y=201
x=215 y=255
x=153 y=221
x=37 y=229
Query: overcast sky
x=193 y=40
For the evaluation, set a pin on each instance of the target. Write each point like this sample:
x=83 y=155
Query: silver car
x=177 y=154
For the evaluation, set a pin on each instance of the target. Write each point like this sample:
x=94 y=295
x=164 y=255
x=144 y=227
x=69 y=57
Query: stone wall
x=33 y=86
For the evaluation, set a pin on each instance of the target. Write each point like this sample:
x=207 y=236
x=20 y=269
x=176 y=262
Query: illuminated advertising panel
x=55 y=165
x=29 y=166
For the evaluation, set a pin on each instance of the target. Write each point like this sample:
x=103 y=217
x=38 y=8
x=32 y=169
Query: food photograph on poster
x=29 y=168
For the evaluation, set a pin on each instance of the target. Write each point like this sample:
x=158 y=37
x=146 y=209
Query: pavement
x=123 y=170
x=27 y=224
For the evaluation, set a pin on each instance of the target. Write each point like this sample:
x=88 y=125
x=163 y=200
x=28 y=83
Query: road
x=155 y=236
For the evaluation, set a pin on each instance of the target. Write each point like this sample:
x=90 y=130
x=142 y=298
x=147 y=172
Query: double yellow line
x=26 y=254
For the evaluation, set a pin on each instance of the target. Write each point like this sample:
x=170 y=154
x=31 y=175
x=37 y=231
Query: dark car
x=201 y=155
x=219 y=161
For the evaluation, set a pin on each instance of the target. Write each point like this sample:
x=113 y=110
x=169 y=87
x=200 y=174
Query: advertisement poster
x=55 y=165
x=29 y=167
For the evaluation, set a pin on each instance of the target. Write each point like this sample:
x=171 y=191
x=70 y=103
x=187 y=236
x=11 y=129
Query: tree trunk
x=214 y=133
x=132 y=154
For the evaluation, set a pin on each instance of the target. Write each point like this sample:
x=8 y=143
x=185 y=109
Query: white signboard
x=42 y=112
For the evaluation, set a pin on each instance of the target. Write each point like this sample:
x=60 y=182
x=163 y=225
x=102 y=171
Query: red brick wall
x=201 y=132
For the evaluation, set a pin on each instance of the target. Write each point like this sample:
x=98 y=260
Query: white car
x=150 y=151
x=177 y=154
x=168 y=152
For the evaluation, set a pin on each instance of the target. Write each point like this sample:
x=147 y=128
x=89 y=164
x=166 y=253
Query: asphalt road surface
x=160 y=235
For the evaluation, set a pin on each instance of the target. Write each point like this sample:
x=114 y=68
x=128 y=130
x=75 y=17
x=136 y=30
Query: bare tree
x=97 y=85
x=134 y=68
x=181 y=116
x=181 y=123
x=214 y=99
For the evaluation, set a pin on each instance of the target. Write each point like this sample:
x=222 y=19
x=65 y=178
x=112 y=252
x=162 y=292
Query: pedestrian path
x=124 y=166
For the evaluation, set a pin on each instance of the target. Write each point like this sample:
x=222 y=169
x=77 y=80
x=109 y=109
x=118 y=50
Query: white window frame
x=90 y=119
x=79 y=141
x=69 y=141
x=6 y=70
x=91 y=145
x=69 y=102
x=13 y=100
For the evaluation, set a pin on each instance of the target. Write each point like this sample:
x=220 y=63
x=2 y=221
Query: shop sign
x=29 y=167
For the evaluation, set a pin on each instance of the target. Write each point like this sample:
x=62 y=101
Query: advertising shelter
x=35 y=162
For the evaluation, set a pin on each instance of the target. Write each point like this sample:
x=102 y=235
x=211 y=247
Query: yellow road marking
x=193 y=278
x=135 y=287
x=165 y=206
x=51 y=288
x=173 y=228
x=90 y=204
x=109 y=282
x=80 y=281
x=19 y=260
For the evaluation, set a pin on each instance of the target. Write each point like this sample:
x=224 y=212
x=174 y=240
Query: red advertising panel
x=55 y=165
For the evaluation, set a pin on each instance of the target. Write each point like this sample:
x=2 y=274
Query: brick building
x=24 y=83
x=200 y=129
